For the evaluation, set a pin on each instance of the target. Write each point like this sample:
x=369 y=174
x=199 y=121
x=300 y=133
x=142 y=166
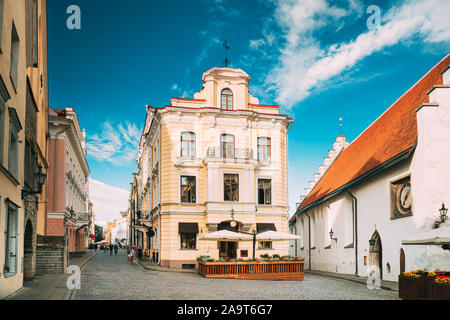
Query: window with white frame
x=264 y=149
x=11 y=239
x=13 y=150
x=226 y=99
x=264 y=191
x=231 y=187
x=227 y=145
x=188 y=189
x=187 y=144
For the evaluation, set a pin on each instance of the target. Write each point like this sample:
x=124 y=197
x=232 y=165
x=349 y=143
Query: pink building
x=68 y=192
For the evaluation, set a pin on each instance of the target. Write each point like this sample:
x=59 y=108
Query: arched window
x=227 y=145
x=226 y=98
x=187 y=144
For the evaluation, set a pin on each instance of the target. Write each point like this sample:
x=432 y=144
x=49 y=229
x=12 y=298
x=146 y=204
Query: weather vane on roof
x=340 y=126
x=227 y=47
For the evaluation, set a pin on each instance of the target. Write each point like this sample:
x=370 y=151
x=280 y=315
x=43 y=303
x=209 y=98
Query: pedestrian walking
x=95 y=247
x=133 y=255
x=116 y=248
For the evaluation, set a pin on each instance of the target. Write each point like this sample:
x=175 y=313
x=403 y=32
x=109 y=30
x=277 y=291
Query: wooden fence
x=258 y=270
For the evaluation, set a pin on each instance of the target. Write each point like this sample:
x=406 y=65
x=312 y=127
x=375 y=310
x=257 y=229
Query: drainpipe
x=355 y=227
x=309 y=240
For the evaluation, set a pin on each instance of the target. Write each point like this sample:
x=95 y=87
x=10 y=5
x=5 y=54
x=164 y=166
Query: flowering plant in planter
x=442 y=280
x=411 y=275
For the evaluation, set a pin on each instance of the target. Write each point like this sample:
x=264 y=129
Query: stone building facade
x=23 y=137
x=205 y=162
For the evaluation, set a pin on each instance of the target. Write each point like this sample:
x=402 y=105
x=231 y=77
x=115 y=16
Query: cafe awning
x=437 y=236
x=226 y=235
x=261 y=227
x=187 y=227
x=276 y=236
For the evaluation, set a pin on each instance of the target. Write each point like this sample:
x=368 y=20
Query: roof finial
x=340 y=126
x=227 y=47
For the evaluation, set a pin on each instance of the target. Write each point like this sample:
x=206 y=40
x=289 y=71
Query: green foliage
x=98 y=233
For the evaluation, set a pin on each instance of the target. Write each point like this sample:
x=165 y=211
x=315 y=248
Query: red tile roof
x=394 y=132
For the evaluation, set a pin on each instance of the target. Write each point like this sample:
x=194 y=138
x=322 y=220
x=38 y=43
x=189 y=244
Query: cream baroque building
x=206 y=161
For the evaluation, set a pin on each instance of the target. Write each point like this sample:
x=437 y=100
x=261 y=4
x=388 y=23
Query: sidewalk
x=387 y=285
x=148 y=265
x=50 y=286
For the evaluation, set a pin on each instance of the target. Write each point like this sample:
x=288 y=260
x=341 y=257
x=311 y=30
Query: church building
x=386 y=186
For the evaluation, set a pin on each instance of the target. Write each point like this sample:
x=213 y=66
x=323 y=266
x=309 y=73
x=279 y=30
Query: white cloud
x=305 y=64
x=108 y=201
x=117 y=146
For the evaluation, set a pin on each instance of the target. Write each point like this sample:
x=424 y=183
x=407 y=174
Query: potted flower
x=440 y=289
x=412 y=285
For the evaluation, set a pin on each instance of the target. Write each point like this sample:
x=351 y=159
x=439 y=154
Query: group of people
x=131 y=251
x=111 y=248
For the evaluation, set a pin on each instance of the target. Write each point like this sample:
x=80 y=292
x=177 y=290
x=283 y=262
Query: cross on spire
x=227 y=47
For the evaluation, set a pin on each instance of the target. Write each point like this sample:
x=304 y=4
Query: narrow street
x=108 y=277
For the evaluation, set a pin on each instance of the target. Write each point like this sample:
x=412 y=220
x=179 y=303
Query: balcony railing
x=239 y=153
x=83 y=217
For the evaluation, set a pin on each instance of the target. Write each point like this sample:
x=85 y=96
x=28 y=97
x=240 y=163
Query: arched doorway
x=376 y=254
x=402 y=261
x=28 y=268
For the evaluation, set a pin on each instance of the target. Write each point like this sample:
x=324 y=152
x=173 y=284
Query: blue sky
x=317 y=59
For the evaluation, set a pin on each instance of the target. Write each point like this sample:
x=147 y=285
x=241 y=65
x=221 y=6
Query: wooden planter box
x=440 y=291
x=257 y=270
x=419 y=288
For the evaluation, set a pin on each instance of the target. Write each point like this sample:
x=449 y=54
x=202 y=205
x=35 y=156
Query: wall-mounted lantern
x=40 y=180
x=331 y=235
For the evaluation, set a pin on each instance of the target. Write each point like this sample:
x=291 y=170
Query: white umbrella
x=226 y=235
x=434 y=237
x=276 y=236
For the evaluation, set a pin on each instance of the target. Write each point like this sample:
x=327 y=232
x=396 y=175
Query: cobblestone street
x=113 y=277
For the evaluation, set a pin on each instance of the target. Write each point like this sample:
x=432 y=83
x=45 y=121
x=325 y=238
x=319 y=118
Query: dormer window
x=226 y=98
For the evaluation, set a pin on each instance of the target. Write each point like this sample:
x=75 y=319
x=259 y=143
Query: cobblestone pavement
x=108 y=277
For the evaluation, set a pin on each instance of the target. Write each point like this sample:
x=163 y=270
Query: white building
x=119 y=233
x=385 y=187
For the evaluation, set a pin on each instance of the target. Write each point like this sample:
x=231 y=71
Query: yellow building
x=23 y=118
x=205 y=162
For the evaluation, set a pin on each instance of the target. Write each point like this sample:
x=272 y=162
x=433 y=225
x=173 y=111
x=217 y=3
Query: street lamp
x=443 y=212
x=331 y=235
x=40 y=180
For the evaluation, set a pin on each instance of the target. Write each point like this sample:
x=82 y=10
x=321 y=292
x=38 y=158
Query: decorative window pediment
x=14 y=119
